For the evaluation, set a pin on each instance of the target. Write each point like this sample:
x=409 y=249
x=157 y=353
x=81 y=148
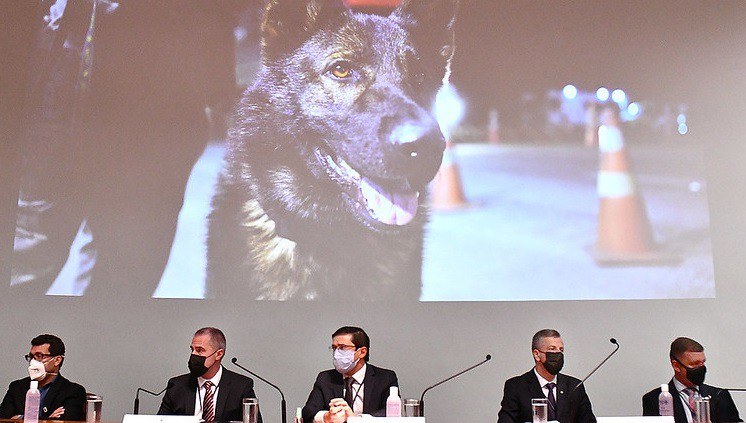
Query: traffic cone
x=625 y=235
x=447 y=192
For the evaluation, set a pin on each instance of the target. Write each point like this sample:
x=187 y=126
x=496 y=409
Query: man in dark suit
x=688 y=362
x=208 y=391
x=60 y=398
x=565 y=403
x=353 y=387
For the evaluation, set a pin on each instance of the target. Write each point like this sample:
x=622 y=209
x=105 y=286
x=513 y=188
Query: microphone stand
x=283 y=405
x=137 y=398
x=613 y=341
x=422 y=397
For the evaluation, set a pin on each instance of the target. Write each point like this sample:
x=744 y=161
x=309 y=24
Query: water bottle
x=298 y=415
x=393 y=403
x=33 y=397
x=665 y=402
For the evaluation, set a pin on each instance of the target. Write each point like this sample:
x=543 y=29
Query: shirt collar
x=215 y=379
x=680 y=386
x=359 y=375
x=542 y=381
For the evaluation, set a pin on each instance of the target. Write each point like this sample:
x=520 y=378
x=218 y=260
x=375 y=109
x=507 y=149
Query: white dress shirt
x=684 y=398
x=543 y=383
x=200 y=397
x=357 y=395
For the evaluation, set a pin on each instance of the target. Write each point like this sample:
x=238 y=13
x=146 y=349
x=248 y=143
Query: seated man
x=566 y=403
x=353 y=387
x=688 y=362
x=60 y=398
x=208 y=391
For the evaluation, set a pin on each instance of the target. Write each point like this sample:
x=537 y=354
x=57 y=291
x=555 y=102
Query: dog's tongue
x=389 y=207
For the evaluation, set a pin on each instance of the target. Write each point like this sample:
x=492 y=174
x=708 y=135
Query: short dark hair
x=56 y=346
x=359 y=337
x=216 y=336
x=544 y=333
x=683 y=344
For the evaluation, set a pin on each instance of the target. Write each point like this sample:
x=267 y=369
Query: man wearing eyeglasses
x=60 y=398
x=688 y=361
x=565 y=403
x=353 y=387
x=208 y=391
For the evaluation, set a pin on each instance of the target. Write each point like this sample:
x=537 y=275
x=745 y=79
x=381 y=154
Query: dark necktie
x=348 y=392
x=208 y=410
x=552 y=401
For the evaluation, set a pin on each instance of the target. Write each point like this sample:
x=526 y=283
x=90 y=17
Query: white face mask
x=344 y=360
x=36 y=370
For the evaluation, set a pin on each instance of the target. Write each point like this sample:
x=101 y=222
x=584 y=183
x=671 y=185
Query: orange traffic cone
x=447 y=193
x=624 y=232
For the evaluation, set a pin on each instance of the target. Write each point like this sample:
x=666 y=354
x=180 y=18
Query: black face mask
x=554 y=362
x=696 y=375
x=197 y=364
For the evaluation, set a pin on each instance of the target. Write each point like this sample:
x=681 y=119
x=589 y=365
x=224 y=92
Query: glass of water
x=539 y=408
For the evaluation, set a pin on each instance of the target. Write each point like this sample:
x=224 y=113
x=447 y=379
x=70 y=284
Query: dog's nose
x=420 y=151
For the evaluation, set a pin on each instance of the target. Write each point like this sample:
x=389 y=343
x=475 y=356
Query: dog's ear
x=431 y=20
x=287 y=23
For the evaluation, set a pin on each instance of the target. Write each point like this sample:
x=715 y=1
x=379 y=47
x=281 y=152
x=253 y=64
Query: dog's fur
x=335 y=87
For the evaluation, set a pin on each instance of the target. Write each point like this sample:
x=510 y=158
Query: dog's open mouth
x=388 y=202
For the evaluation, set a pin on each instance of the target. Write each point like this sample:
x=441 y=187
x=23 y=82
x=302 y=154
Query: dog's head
x=351 y=98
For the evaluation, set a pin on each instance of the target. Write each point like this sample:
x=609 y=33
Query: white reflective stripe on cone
x=615 y=184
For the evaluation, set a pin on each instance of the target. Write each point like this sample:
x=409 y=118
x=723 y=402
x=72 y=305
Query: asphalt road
x=533 y=217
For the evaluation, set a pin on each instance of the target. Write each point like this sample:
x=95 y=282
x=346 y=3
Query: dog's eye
x=341 y=70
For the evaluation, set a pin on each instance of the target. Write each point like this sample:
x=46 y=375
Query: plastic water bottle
x=665 y=402
x=33 y=397
x=298 y=415
x=393 y=403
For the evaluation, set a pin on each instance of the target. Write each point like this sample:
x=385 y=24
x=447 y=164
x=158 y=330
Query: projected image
x=346 y=166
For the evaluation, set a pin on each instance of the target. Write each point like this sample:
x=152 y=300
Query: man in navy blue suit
x=566 y=404
x=688 y=362
x=353 y=387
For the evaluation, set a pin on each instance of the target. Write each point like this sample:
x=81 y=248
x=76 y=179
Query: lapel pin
x=562 y=392
x=44 y=409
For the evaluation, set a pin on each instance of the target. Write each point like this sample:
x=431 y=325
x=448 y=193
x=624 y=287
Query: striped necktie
x=208 y=407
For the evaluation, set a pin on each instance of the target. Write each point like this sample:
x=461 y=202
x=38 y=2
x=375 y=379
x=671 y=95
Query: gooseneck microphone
x=422 y=398
x=137 y=397
x=283 y=405
x=613 y=341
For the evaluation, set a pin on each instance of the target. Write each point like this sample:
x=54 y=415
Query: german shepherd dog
x=330 y=155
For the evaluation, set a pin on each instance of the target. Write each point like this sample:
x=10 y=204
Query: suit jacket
x=61 y=393
x=572 y=406
x=722 y=408
x=181 y=393
x=330 y=384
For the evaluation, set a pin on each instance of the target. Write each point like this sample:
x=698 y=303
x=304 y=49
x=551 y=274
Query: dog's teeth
x=391 y=208
x=350 y=171
x=334 y=165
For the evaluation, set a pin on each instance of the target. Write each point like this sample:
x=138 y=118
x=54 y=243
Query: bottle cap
x=34 y=384
x=394 y=390
x=664 y=387
x=298 y=412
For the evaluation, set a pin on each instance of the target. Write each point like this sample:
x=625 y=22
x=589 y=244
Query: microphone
x=613 y=341
x=422 y=398
x=283 y=405
x=137 y=397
